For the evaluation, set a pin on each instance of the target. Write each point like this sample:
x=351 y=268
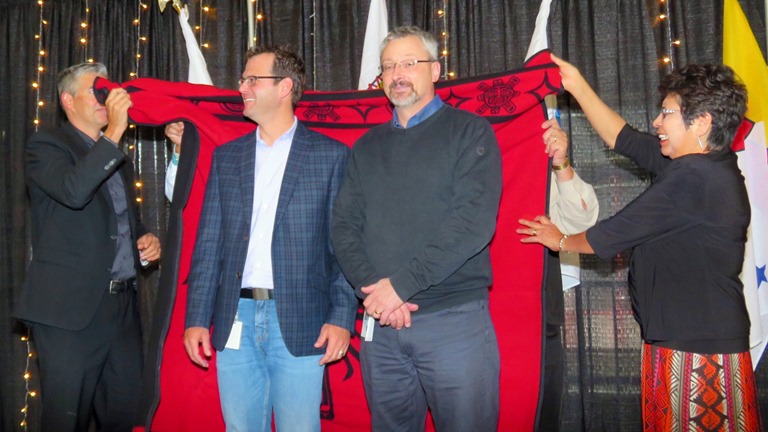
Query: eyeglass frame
x=666 y=111
x=251 y=80
x=413 y=63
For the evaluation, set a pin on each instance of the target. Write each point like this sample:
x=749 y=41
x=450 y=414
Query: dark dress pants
x=93 y=370
x=447 y=360
x=553 y=366
x=554 y=378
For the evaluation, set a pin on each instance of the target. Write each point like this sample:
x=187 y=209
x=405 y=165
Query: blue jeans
x=262 y=377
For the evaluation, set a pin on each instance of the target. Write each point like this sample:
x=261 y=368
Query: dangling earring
x=701 y=144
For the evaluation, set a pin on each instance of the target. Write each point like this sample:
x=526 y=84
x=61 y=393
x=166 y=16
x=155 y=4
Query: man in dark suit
x=263 y=271
x=79 y=296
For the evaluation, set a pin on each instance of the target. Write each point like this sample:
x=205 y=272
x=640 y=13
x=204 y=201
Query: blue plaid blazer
x=310 y=289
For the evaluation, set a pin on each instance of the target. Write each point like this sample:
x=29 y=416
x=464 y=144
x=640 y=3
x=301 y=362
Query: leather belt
x=257 y=293
x=118 y=286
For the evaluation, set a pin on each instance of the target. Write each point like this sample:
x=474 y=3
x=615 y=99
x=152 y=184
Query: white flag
x=539 y=39
x=198 y=70
x=375 y=32
x=198 y=74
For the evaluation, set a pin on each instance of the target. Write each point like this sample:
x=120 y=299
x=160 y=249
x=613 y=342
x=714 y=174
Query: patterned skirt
x=683 y=391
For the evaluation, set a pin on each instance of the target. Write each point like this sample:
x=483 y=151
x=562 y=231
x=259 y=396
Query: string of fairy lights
x=39 y=104
x=254 y=16
x=442 y=15
x=29 y=393
x=134 y=150
x=204 y=9
x=665 y=19
x=140 y=38
x=36 y=84
x=84 y=38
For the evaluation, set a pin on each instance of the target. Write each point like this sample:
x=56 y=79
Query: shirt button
x=113 y=237
x=239 y=275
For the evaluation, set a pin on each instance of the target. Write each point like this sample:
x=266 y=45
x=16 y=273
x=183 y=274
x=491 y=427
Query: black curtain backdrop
x=616 y=44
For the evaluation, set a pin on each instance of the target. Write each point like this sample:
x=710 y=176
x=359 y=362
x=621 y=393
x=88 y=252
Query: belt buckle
x=261 y=294
x=116 y=286
x=257 y=293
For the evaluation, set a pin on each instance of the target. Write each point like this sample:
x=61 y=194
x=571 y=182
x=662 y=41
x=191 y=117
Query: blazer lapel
x=80 y=149
x=247 y=171
x=75 y=142
x=297 y=158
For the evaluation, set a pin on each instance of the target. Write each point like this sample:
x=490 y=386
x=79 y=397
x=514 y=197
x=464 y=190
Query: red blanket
x=178 y=396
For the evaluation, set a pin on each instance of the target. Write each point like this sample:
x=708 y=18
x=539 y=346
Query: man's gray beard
x=406 y=102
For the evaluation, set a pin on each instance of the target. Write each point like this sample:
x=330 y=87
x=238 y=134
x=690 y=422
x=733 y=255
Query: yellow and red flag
x=741 y=52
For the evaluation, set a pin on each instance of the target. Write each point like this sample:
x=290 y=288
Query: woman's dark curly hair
x=713 y=89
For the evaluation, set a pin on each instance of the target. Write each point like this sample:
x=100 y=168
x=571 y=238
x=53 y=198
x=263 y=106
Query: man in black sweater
x=411 y=228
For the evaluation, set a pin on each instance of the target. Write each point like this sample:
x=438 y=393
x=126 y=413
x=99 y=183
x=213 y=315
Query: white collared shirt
x=268 y=178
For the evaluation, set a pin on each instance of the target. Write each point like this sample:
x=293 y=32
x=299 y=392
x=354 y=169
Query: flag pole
x=250 y=23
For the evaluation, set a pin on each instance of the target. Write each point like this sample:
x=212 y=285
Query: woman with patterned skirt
x=687 y=233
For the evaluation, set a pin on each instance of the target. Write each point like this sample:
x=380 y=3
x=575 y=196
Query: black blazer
x=74 y=227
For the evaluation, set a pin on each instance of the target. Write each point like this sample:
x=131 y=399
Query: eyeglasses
x=665 y=111
x=405 y=65
x=251 y=80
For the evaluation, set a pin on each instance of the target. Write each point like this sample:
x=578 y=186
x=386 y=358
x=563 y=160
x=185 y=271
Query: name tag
x=367 y=331
x=234 y=336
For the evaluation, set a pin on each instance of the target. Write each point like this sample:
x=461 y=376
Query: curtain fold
x=616 y=44
x=613 y=45
x=18 y=25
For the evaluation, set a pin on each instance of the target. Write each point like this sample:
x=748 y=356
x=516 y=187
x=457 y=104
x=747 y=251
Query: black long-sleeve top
x=687 y=233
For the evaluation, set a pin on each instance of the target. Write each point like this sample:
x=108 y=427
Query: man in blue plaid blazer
x=263 y=273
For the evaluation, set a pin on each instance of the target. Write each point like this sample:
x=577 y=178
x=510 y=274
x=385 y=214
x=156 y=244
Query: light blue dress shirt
x=268 y=178
x=431 y=108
